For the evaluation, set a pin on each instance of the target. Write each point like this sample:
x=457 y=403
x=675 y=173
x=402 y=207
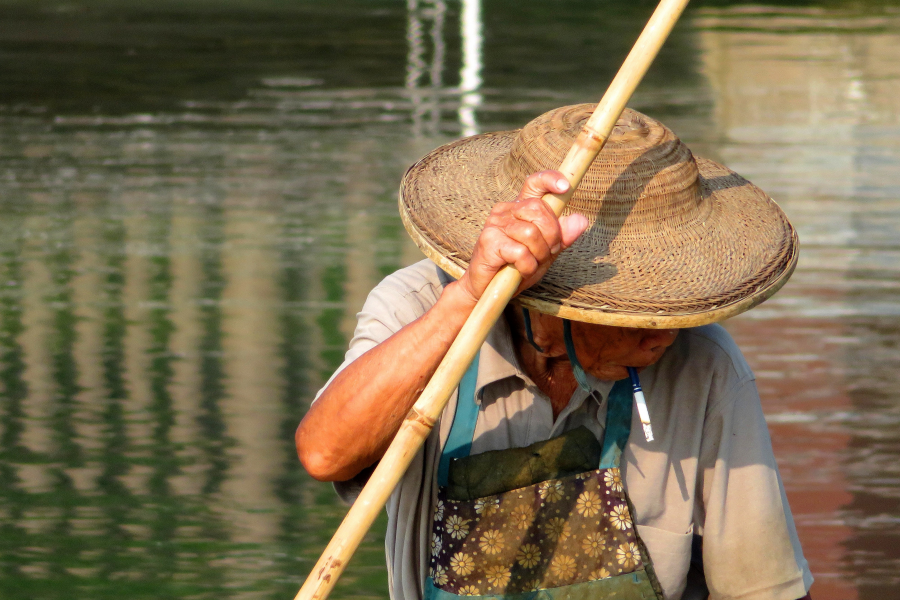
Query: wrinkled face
x=603 y=351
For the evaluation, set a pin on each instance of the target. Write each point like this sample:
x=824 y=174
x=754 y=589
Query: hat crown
x=643 y=183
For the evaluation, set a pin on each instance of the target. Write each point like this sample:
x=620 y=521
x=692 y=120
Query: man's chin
x=611 y=373
x=617 y=372
x=641 y=363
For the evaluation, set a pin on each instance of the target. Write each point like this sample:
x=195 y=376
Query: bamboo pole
x=421 y=418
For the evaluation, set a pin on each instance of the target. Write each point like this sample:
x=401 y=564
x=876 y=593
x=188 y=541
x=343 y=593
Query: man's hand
x=354 y=420
x=524 y=233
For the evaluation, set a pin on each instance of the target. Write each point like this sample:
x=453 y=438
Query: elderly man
x=537 y=482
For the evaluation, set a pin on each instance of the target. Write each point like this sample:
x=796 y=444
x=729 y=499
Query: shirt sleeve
x=750 y=546
x=398 y=300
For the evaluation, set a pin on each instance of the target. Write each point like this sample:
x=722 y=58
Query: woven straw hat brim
x=733 y=256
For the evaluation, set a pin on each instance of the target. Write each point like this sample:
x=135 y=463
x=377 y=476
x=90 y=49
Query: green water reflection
x=196 y=197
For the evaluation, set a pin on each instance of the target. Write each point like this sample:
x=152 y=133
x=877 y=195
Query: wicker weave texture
x=670 y=234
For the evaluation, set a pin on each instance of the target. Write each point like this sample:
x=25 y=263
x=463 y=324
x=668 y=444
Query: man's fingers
x=537 y=212
x=500 y=248
x=545 y=182
x=530 y=206
x=521 y=258
x=534 y=236
x=571 y=227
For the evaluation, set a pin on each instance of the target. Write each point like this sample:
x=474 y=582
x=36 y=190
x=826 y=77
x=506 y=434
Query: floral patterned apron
x=556 y=535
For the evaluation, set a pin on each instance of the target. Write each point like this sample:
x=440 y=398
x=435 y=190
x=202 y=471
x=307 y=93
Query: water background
x=195 y=198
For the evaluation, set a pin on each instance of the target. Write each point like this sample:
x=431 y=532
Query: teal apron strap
x=618 y=424
x=529 y=334
x=577 y=369
x=459 y=442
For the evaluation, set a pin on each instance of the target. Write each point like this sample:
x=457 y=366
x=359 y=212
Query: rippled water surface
x=196 y=197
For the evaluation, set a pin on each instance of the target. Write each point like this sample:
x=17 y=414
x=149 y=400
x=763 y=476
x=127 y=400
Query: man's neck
x=553 y=376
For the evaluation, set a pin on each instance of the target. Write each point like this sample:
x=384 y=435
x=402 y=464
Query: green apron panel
x=500 y=471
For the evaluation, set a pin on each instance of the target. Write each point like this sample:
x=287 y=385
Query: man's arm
x=352 y=423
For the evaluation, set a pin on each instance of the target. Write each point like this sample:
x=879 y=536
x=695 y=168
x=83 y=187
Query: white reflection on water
x=470 y=76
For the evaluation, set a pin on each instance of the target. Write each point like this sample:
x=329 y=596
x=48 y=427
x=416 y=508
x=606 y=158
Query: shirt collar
x=498 y=358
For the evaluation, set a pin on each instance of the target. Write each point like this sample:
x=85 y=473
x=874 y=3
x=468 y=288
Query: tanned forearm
x=354 y=420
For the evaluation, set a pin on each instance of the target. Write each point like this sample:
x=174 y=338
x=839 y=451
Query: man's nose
x=658 y=339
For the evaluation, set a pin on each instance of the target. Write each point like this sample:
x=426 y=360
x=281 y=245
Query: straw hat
x=674 y=240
